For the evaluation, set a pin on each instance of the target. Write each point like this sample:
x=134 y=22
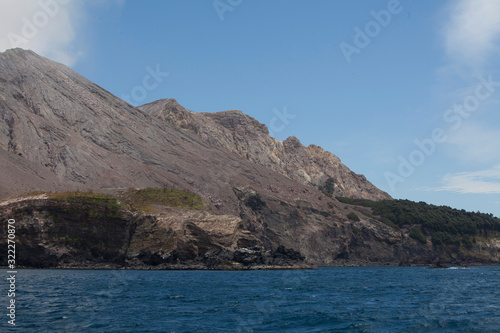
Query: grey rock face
x=242 y=134
x=61 y=234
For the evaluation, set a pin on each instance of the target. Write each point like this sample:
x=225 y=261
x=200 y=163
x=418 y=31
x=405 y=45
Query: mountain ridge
x=61 y=133
x=250 y=139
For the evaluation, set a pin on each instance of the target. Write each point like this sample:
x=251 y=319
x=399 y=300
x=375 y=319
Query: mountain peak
x=27 y=59
x=244 y=135
x=20 y=52
x=236 y=120
x=163 y=107
x=292 y=142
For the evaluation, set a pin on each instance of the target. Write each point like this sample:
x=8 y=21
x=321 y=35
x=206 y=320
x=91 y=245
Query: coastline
x=248 y=268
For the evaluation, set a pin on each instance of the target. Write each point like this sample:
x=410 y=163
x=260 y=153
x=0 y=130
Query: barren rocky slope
x=61 y=124
x=250 y=139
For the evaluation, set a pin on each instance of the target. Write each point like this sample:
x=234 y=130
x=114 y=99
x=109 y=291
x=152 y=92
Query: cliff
x=87 y=230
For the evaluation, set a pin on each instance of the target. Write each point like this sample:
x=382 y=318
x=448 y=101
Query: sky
x=405 y=92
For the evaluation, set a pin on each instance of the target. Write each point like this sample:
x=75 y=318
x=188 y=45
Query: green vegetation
x=105 y=200
x=353 y=217
x=366 y=214
x=138 y=199
x=37 y=193
x=445 y=225
x=328 y=187
x=143 y=199
x=417 y=234
x=93 y=205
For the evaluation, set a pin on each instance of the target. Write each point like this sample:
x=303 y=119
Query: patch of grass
x=143 y=199
x=93 y=205
x=366 y=214
x=32 y=193
x=96 y=205
x=86 y=198
x=353 y=217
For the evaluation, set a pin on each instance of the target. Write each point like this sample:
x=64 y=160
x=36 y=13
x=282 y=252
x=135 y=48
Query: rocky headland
x=161 y=187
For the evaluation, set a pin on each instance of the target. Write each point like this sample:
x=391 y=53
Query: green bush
x=328 y=187
x=417 y=235
x=143 y=199
x=353 y=217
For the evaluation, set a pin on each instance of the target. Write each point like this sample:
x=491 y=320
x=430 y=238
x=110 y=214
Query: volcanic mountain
x=61 y=123
x=245 y=136
x=263 y=201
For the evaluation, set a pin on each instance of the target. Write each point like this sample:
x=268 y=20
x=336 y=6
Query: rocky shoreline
x=89 y=231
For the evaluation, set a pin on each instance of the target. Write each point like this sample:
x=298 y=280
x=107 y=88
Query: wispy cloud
x=471 y=39
x=475 y=143
x=46 y=27
x=49 y=27
x=471 y=33
x=476 y=182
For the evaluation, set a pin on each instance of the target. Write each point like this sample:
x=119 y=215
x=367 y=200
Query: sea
x=347 y=299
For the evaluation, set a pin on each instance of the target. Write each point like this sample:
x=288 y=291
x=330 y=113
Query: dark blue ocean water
x=324 y=300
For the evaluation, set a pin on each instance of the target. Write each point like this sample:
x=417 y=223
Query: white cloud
x=48 y=27
x=475 y=143
x=476 y=182
x=472 y=31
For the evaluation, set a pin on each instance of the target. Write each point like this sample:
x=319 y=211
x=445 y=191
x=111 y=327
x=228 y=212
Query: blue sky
x=403 y=92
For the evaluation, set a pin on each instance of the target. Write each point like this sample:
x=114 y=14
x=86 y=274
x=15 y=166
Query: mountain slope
x=63 y=123
x=250 y=139
x=263 y=199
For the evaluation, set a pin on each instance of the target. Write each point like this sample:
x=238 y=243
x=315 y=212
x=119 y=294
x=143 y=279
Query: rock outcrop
x=60 y=234
x=242 y=134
